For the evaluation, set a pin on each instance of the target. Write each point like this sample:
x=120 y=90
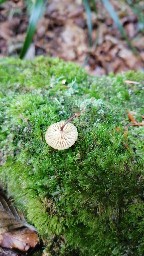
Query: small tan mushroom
x=61 y=135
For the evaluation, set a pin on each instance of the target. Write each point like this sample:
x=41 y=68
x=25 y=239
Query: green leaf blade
x=35 y=16
x=89 y=20
x=109 y=7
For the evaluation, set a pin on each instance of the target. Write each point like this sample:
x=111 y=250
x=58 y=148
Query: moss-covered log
x=87 y=200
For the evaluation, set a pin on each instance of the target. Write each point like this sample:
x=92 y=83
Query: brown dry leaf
x=98 y=71
x=113 y=39
x=72 y=35
x=114 y=51
x=76 y=12
x=5 y=31
x=129 y=58
x=101 y=33
x=67 y=53
x=42 y=27
x=138 y=42
x=72 y=41
x=131 y=30
x=116 y=66
x=15 y=233
x=133 y=120
x=131 y=117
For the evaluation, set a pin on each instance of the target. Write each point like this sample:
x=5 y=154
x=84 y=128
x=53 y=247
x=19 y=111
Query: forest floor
x=62 y=32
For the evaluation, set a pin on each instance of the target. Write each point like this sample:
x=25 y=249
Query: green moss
x=91 y=195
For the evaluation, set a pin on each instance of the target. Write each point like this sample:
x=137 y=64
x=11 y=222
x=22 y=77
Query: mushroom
x=62 y=135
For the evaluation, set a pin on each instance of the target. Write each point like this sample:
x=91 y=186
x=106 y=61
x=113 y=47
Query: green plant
x=89 y=21
x=2 y=1
x=87 y=200
x=113 y=14
x=109 y=7
x=36 y=12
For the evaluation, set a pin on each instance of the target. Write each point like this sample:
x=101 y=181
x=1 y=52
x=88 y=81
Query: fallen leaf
x=133 y=120
x=131 y=117
x=15 y=232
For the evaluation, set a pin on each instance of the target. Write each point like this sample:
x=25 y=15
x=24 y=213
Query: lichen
x=88 y=198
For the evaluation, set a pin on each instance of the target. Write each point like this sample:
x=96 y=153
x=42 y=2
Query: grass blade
x=109 y=7
x=89 y=20
x=35 y=16
x=138 y=10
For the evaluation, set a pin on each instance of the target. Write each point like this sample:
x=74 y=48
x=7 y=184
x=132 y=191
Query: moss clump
x=87 y=200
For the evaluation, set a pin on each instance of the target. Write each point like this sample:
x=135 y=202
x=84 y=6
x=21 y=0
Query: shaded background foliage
x=104 y=36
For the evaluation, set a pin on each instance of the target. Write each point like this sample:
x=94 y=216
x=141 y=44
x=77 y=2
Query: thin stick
x=70 y=119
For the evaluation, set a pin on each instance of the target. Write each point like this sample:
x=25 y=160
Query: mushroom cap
x=61 y=139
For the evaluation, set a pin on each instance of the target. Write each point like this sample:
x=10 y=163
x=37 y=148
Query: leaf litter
x=15 y=232
x=63 y=33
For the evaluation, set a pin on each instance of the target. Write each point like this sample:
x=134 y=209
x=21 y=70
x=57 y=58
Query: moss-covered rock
x=87 y=200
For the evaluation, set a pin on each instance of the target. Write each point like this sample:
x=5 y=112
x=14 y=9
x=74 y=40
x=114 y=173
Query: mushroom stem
x=71 y=118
